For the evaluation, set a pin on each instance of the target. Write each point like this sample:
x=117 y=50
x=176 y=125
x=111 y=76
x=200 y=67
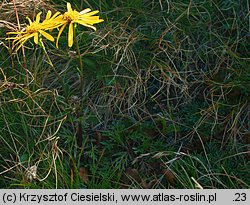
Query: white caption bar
x=124 y=196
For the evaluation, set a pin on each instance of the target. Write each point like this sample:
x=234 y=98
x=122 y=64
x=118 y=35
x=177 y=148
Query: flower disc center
x=33 y=27
x=71 y=16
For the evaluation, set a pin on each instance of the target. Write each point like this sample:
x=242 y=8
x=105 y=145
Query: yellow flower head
x=34 y=29
x=85 y=18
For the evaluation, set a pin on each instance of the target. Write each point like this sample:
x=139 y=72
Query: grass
x=163 y=100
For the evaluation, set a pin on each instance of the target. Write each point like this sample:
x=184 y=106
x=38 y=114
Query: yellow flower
x=34 y=29
x=85 y=18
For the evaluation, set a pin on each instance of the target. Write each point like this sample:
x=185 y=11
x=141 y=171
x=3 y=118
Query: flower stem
x=52 y=66
x=81 y=67
x=80 y=122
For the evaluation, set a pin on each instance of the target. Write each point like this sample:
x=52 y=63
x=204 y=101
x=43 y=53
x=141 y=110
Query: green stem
x=81 y=66
x=80 y=122
x=52 y=66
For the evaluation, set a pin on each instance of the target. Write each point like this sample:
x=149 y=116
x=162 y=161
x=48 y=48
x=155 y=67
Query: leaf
x=83 y=173
x=24 y=157
x=131 y=176
x=152 y=184
x=170 y=177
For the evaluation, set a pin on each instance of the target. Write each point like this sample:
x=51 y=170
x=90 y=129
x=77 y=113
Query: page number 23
x=240 y=197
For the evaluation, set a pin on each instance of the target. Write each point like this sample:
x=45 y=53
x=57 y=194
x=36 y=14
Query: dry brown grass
x=13 y=12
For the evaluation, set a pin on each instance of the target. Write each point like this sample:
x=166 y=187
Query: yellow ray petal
x=85 y=24
x=55 y=15
x=15 y=32
x=46 y=35
x=91 y=20
x=85 y=11
x=20 y=45
x=59 y=34
x=91 y=13
x=15 y=38
x=25 y=36
x=20 y=41
x=30 y=22
x=69 y=7
x=36 y=38
x=55 y=22
x=48 y=15
x=38 y=17
x=70 y=35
